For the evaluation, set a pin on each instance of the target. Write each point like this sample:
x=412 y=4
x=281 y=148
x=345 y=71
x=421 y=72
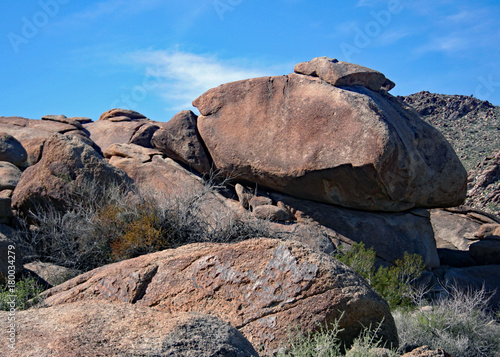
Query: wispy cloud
x=183 y=76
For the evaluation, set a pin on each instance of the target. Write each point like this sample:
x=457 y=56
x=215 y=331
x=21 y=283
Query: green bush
x=394 y=283
x=459 y=323
x=26 y=294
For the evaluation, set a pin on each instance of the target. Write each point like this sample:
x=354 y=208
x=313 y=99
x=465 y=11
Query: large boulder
x=122 y=126
x=11 y=150
x=119 y=329
x=348 y=146
x=179 y=139
x=263 y=287
x=67 y=164
x=9 y=176
x=32 y=134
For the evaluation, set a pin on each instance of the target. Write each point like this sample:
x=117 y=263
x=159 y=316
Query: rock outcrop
x=260 y=286
x=347 y=146
x=67 y=163
x=122 y=126
x=11 y=150
x=119 y=329
x=179 y=140
x=32 y=134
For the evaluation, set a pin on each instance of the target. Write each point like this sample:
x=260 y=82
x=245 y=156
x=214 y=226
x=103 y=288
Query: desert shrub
x=322 y=343
x=26 y=294
x=459 y=323
x=394 y=283
x=111 y=224
x=325 y=343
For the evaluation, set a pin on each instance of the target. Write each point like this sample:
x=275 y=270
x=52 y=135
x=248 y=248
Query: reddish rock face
x=32 y=134
x=343 y=73
x=263 y=287
x=119 y=329
x=347 y=146
x=67 y=163
x=179 y=140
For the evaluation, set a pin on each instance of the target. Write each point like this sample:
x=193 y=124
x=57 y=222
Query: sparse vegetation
x=119 y=224
x=459 y=323
x=394 y=283
x=325 y=343
x=26 y=294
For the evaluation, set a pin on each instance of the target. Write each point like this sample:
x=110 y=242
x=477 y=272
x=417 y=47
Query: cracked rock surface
x=263 y=287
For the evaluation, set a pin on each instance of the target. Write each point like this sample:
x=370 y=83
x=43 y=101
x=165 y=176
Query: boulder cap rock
x=344 y=73
x=117 y=112
x=346 y=146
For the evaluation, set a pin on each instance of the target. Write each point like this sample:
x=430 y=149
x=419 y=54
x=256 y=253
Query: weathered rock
x=244 y=195
x=117 y=112
x=390 y=234
x=347 y=146
x=144 y=135
x=342 y=74
x=9 y=175
x=131 y=151
x=261 y=286
x=67 y=163
x=11 y=150
x=453 y=230
x=257 y=201
x=51 y=273
x=105 y=133
x=455 y=258
x=119 y=329
x=82 y=120
x=11 y=262
x=270 y=212
x=426 y=351
x=179 y=140
x=33 y=133
x=63 y=119
x=486 y=252
x=488 y=231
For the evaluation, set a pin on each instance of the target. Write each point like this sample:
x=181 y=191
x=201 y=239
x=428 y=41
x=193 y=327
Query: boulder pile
x=324 y=157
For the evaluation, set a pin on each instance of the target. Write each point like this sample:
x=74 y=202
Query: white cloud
x=181 y=77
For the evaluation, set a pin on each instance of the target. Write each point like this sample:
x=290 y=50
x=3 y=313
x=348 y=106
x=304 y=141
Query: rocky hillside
x=472 y=126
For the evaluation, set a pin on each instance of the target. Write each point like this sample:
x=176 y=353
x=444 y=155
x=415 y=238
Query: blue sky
x=81 y=58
